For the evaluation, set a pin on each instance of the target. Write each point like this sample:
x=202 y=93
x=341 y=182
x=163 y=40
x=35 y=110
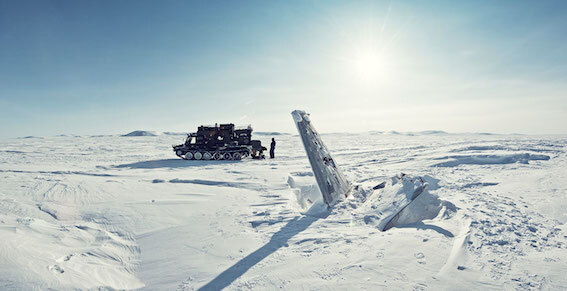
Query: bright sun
x=370 y=66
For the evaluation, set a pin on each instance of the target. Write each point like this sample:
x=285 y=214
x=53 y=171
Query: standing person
x=272 y=148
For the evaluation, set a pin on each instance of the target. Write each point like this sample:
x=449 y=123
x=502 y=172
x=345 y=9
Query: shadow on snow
x=171 y=163
x=421 y=225
x=278 y=240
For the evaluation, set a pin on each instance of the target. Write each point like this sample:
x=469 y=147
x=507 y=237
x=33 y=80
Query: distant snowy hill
x=141 y=133
x=425 y=132
x=432 y=132
x=174 y=133
x=269 y=133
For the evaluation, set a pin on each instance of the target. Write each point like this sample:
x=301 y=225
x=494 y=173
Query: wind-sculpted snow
x=110 y=212
x=454 y=161
x=69 y=255
x=388 y=206
x=61 y=173
x=234 y=184
x=378 y=207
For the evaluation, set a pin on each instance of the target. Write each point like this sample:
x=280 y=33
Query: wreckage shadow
x=171 y=163
x=278 y=240
x=421 y=225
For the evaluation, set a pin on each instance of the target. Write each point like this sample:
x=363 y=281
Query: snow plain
x=124 y=213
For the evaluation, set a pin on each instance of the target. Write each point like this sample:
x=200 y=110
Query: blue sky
x=103 y=67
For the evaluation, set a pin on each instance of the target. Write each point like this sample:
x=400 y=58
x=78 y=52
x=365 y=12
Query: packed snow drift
x=125 y=213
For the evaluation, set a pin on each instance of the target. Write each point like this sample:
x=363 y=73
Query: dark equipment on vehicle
x=222 y=142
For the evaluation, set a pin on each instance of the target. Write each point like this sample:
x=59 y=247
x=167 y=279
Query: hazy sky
x=96 y=67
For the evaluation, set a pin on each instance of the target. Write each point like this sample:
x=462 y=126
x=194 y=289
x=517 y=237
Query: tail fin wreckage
x=332 y=183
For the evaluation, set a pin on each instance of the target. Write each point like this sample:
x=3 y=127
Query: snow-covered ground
x=125 y=213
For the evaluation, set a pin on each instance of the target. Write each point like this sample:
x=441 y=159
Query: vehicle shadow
x=278 y=240
x=171 y=163
x=421 y=225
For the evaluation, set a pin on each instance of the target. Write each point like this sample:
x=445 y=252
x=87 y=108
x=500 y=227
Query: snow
x=490 y=159
x=124 y=213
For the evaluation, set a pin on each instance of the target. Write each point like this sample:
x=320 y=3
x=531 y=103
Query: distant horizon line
x=385 y=132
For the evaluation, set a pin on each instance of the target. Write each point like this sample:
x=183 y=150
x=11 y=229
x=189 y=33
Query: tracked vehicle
x=220 y=142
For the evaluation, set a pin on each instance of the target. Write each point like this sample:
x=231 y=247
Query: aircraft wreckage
x=332 y=183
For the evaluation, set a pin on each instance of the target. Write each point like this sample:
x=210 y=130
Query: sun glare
x=369 y=66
